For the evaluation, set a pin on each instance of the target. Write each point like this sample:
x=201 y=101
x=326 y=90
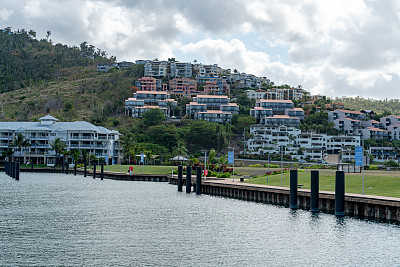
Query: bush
x=391 y=163
x=255 y=165
x=224 y=175
x=372 y=167
x=271 y=166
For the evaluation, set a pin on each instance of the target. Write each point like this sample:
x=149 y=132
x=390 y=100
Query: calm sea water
x=62 y=220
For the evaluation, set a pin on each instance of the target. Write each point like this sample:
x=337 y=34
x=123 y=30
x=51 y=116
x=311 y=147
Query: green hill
x=387 y=106
x=25 y=61
x=80 y=93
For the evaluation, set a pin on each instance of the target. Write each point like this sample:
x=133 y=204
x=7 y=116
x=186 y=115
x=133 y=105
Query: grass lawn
x=379 y=183
x=147 y=169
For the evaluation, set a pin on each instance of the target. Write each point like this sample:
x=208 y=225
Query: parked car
x=302 y=160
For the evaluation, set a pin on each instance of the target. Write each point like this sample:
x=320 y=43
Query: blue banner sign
x=230 y=157
x=359 y=156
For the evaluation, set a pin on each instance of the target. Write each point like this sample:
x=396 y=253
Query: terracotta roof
x=350 y=111
x=152 y=92
x=276 y=101
x=211 y=96
x=376 y=129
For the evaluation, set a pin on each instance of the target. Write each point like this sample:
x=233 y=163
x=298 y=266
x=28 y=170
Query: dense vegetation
x=25 y=61
x=385 y=106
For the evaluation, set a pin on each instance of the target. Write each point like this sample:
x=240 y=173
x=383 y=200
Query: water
x=62 y=220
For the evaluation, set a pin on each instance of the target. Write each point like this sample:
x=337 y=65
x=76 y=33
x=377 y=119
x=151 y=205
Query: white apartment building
x=145 y=100
x=82 y=135
x=300 y=145
x=255 y=94
x=213 y=108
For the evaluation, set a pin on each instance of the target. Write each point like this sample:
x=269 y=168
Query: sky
x=334 y=48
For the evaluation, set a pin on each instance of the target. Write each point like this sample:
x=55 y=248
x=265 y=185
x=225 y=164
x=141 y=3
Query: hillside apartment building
x=212 y=108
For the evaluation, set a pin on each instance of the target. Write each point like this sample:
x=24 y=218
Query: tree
x=180 y=149
x=153 y=117
x=32 y=33
x=58 y=146
x=211 y=156
x=163 y=135
x=128 y=144
x=206 y=135
x=48 y=35
x=243 y=122
x=20 y=141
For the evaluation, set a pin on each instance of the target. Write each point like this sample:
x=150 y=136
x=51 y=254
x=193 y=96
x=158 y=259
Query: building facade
x=82 y=135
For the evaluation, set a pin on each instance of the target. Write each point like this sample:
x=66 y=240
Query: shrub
x=391 y=163
x=224 y=175
x=271 y=166
x=372 y=167
x=255 y=165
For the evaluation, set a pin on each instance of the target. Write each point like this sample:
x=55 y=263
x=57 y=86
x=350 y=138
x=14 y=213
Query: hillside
x=25 y=61
x=389 y=106
x=79 y=93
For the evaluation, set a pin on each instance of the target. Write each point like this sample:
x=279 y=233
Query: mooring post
x=63 y=166
x=66 y=169
x=102 y=171
x=198 y=180
x=180 y=173
x=6 y=167
x=11 y=169
x=314 y=202
x=94 y=170
x=188 y=179
x=293 y=189
x=84 y=169
x=32 y=165
x=75 y=168
x=339 y=193
x=17 y=171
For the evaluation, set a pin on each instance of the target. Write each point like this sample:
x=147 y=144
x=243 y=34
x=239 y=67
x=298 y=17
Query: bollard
x=75 y=169
x=63 y=166
x=188 y=179
x=12 y=169
x=198 y=181
x=180 y=173
x=94 y=170
x=66 y=168
x=102 y=171
x=293 y=189
x=84 y=170
x=314 y=201
x=32 y=165
x=339 y=194
x=17 y=171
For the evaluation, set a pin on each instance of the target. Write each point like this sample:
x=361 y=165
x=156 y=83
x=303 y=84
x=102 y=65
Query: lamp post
x=282 y=166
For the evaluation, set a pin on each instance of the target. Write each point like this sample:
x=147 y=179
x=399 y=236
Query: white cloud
x=334 y=48
x=5 y=14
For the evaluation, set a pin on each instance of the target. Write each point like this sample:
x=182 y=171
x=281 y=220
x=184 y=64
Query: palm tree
x=180 y=150
x=211 y=156
x=128 y=143
x=20 y=141
x=58 y=146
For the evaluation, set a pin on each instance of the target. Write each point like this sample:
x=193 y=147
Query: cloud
x=335 y=48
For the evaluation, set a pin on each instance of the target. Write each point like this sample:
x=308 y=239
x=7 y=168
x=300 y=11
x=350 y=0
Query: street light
x=282 y=147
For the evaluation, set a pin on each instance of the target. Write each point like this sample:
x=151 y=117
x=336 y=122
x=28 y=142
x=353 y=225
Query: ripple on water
x=57 y=219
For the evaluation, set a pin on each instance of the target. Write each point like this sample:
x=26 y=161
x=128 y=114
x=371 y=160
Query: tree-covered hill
x=26 y=61
x=387 y=106
x=79 y=93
